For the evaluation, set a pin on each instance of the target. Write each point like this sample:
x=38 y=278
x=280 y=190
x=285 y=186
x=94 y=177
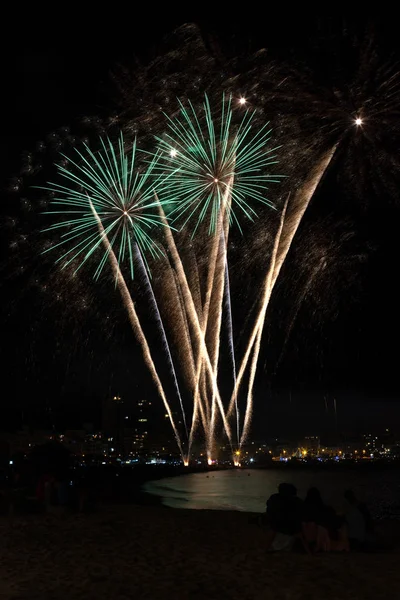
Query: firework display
x=178 y=204
x=108 y=187
x=212 y=161
x=115 y=201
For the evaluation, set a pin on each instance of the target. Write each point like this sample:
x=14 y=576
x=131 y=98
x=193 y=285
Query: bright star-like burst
x=211 y=160
x=106 y=187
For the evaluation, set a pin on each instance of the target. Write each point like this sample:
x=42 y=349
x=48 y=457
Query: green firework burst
x=209 y=159
x=106 y=196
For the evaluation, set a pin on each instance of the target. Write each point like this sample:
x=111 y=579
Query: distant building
x=22 y=441
x=75 y=434
x=141 y=425
x=352 y=448
x=113 y=422
x=310 y=445
x=372 y=444
x=95 y=445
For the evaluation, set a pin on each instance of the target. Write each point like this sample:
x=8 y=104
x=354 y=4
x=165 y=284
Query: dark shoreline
x=129 y=489
x=381 y=510
x=116 y=484
x=127 y=551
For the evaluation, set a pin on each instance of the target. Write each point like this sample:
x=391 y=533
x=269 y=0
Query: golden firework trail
x=288 y=228
x=256 y=335
x=198 y=333
x=135 y=323
x=216 y=316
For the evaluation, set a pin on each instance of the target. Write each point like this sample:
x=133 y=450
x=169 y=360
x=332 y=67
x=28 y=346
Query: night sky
x=341 y=343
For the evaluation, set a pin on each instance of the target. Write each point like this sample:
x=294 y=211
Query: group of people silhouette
x=313 y=526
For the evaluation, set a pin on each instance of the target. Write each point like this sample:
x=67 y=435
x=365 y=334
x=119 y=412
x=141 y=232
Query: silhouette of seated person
x=283 y=517
x=322 y=528
x=359 y=522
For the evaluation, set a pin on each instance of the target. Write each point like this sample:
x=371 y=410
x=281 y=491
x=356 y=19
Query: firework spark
x=283 y=241
x=200 y=345
x=218 y=169
x=256 y=335
x=118 y=200
x=161 y=327
x=199 y=154
x=204 y=153
x=123 y=199
x=135 y=323
x=215 y=319
x=231 y=346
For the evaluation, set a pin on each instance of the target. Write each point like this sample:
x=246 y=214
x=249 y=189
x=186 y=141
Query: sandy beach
x=149 y=552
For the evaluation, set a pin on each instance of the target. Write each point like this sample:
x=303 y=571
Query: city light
x=138 y=446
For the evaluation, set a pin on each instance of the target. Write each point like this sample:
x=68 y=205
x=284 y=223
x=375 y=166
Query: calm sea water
x=248 y=490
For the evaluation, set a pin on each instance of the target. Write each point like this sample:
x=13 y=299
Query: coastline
x=134 y=546
x=377 y=487
x=151 y=552
x=128 y=488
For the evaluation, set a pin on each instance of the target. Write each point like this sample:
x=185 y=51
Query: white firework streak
x=288 y=230
x=160 y=324
x=189 y=348
x=135 y=323
x=222 y=223
x=194 y=322
x=219 y=284
x=231 y=345
x=256 y=334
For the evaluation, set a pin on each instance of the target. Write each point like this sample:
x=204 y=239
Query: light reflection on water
x=248 y=490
